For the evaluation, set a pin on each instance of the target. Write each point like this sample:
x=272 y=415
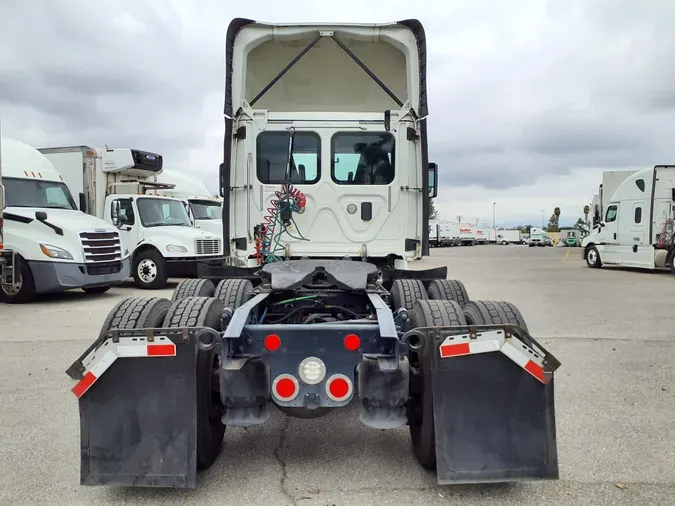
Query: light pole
x=494 y=215
x=542 y=218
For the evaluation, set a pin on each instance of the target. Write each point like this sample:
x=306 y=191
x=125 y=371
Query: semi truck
x=636 y=229
x=54 y=247
x=204 y=208
x=314 y=306
x=114 y=185
x=7 y=264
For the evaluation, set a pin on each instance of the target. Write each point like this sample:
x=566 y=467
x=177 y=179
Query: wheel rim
x=592 y=256
x=147 y=270
x=12 y=288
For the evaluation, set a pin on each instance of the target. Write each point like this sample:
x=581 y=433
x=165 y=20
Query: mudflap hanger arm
x=350 y=53
x=493 y=404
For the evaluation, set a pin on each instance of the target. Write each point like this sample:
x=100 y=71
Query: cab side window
x=126 y=209
x=612 y=212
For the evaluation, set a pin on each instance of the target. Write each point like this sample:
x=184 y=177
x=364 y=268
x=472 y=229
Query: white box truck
x=55 y=247
x=481 y=235
x=434 y=234
x=205 y=209
x=112 y=184
x=506 y=237
x=636 y=229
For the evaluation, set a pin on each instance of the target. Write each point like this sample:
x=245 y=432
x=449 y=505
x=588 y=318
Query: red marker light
x=272 y=342
x=339 y=387
x=286 y=387
x=352 y=342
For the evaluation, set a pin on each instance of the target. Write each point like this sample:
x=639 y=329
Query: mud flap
x=494 y=418
x=138 y=417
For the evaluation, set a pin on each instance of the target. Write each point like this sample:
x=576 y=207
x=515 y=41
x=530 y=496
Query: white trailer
x=636 y=229
x=434 y=235
x=55 y=247
x=467 y=234
x=112 y=184
x=509 y=237
x=611 y=179
x=205 y=209
x=482 y=236
x=7 y=273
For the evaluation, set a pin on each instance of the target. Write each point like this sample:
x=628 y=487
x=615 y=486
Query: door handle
x=614 y=235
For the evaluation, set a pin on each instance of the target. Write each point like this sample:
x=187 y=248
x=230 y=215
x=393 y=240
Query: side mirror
x=83 y=203
x=122 y=219
x=115 y=214
x=433 y=180
x=40 y=215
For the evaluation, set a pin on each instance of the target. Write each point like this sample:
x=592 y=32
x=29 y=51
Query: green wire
x=287 y=301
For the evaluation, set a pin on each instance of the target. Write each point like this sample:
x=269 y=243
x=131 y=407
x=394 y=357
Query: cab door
x=635 y=248
x=610 y=252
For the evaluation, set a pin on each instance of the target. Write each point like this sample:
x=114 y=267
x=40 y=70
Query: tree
x=587 y=210
x=552 y=224
x=433 y=214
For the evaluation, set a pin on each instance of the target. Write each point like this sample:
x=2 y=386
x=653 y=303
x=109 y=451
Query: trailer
x=434 y=234
x=467 y=234
x=347 y=324
x=8 y=271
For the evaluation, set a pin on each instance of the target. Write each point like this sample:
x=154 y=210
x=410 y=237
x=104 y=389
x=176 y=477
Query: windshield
x=206 y=210
x=162 y=213
x=36 y=193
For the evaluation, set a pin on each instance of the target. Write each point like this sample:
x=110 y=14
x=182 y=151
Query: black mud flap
x=138 y=422
x=494 y=421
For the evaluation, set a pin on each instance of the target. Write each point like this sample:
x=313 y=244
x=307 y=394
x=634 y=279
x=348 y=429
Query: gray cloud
x=516 y=91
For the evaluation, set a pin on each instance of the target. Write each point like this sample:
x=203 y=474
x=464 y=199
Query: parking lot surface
x=615 y=401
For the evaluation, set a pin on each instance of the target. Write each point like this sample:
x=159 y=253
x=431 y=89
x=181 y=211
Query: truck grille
x=101 y=246
x=207 y=246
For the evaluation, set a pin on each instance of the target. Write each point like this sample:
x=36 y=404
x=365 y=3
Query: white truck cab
x=113 y=184
x=204 y=209
x=342 y=130
x=636 y=229
x=55 y=246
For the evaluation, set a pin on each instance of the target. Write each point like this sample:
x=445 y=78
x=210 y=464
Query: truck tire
x=426 y=313
x=493 y=312
x=149 y=270
x=136 y=313
x=23 y=291
x=593 y=257
x=405 y=292
x=96 y=289
x=448 y=289
x=193 y=288
x=203 y=312
x=233 y=292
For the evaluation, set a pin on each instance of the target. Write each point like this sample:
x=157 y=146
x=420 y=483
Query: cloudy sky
x=529 y=100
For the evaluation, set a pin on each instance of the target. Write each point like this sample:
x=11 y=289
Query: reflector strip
x=523 y=355
x=103 y=357
x=94 y=373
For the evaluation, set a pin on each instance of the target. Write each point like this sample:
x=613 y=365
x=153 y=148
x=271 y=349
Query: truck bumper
x=186 y=267
x=58 y=276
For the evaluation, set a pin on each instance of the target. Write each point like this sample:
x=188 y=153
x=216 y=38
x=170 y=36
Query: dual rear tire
x=431 y=313
x=195 y=303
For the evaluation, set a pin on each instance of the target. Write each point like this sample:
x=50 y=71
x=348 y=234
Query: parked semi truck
x=55 y=247
x=114 y=185
x=313 y=307
x=636 y=229
x=205 y=209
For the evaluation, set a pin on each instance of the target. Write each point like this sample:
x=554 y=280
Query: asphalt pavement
x=615 y=402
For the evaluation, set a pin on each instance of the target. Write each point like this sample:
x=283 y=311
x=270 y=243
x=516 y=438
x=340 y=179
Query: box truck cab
x=636 y=229
x=204 y=209
x=56 y=247
x=113 y=184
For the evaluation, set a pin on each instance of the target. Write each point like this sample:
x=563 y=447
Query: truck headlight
x=55 y=252
x=175 y=248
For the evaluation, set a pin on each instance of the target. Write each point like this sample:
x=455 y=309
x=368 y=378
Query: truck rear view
x=344 y=175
